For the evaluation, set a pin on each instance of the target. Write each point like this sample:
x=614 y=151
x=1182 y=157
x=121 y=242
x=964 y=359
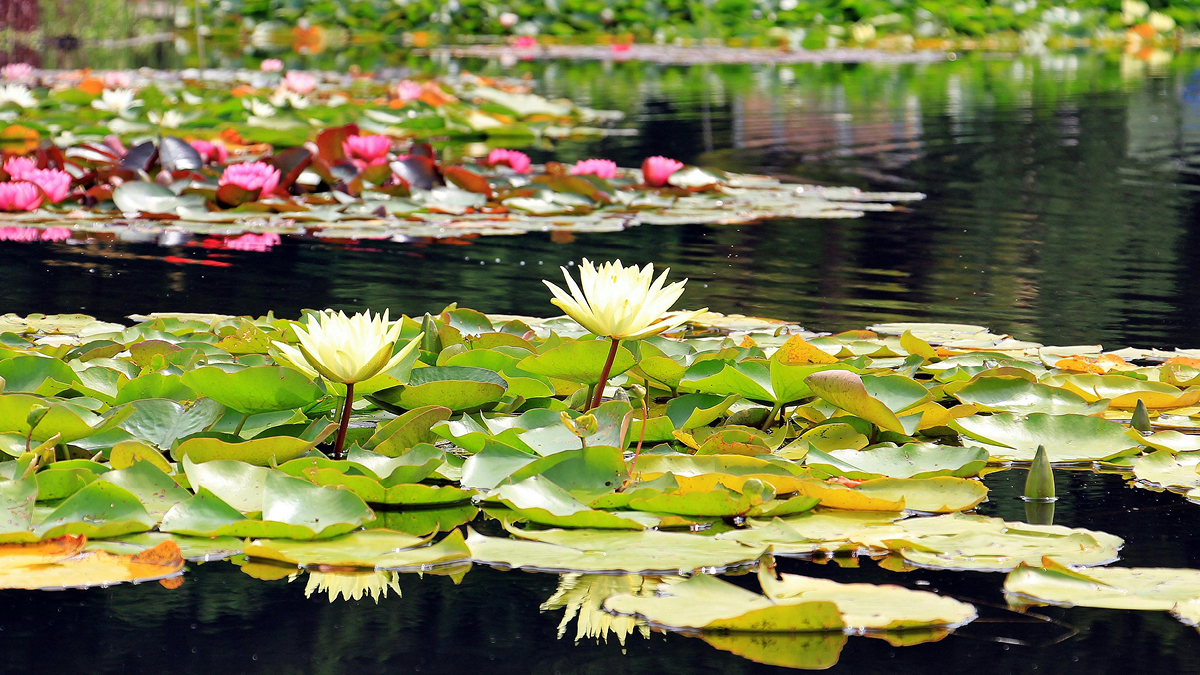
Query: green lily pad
x=407 y=430
x=1125 y=392
x=1067 y=438
x=254 y=390
x=236 y=484
x=709 y=604
x=633 y=552
x=682 y=413
x=1144 y=588
x=578 y=361
x=887 y=396
x=157 y=491
x=943 y=494
x=273 y=445
x=98 y=511
x=37 y=375
x=459 y=388
x=1017 y=395
x=161 y=421
x=912 y=460
x=540 y=501
x=378 y=549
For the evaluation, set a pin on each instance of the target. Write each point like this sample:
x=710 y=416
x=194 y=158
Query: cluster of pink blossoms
x=407 y=90
x=211 y=153
x=29 y=187
x=600 y=168
x=369 y=150
x=16 y=71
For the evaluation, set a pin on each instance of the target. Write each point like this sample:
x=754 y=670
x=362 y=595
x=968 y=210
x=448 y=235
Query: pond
x=1061 y=202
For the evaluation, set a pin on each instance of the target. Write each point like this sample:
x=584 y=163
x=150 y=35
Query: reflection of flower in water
x=373 y=584
x=258 y=243
x=583 y=595
x=29 y=234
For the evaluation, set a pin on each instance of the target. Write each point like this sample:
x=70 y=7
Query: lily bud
x=1141 y=417
x=1040 y=482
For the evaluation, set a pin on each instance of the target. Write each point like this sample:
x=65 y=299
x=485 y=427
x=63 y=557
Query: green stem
x=238 y=430
x=771 y=417
x=612 y=355
x=341 y=435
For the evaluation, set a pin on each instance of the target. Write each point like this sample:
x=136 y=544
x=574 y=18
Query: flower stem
x=341 y=435
x=612 y=355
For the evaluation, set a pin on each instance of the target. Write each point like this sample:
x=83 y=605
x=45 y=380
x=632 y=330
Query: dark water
x=1062 y=208
x=1062 y=196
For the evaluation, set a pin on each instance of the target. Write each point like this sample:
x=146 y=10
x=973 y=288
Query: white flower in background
x=171 y=119
x=788 y=5
x=508 y=19
x=862 y=32
x=336 y=100
x=190 y=98
x=1160 y=22
x=1132 y=10
x=117 y=101
x=18 y=94
x=283 y=98
x=258 y=108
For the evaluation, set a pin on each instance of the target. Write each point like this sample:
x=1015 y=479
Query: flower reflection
x=257 y=243
x=583 y=596
x=356 y=585
x=31 y=234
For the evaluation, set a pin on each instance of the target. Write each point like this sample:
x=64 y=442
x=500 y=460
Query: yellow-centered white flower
x=347 y=349
x=626 y=303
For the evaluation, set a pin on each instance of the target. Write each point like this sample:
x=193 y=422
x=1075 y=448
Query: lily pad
x=254 y=390
x=912 y=460
x=1144 y=588
x=98 y=511
x=1067 y=438
x=1017 y=395
x=459 y=388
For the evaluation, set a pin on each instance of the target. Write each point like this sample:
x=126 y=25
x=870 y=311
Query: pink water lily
x=211 y=153
x=601 y=168
x=18 y=167
x=658 y=169
x=367 y=148
x=407 y=90
x=526 y=42
x=251 y=176
x=16 y=71
x=55 y=183
x=515 y=159
x=299 y=82
x=271 y=65
x=115 y=79
x=19 y=196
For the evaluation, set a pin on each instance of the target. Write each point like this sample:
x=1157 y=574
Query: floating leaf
x=912 y=460
x=254 y=390
x=1144 y=588
x=1067 y=438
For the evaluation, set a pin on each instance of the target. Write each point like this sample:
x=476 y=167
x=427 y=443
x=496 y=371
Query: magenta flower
x=271 y=65
x=19 y=196
x=18 y=167
x=16 y=71
x=408 y=90
x=251 y=176
x=23 y=234
x=55 y=183
x=211 y=153
x=526 y=42
x=601 y=168
x=515 y=159
x=367 y=148
x=656 y=170
x=299 y=82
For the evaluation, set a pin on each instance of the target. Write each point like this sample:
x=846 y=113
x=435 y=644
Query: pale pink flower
x=367 y=148
x=18 y=167
x=251 y=176
x=211 y=153
x=601 y=168
x=55 y=183
x=16 y=71
x=56 y=234
x=515 y=159
x=258 y=243
x=408 y=90
x=271 y=65
x=299 y=82
x=19 y=196
x=526 y=42
x=115 y=79
x=656 y=170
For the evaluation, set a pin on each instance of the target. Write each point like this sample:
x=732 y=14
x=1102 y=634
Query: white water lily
x=346 y=349
x=623 y=303
x=171 y=119
x=258 y=108
x=118 y=101
x=18 y=94
x=283 y=97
